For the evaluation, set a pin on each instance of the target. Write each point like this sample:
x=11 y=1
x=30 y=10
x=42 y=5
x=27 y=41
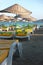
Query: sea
x=20 y=23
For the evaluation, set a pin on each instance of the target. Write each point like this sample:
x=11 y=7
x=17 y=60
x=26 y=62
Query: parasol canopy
x=26 y=17
x=3 y=17
x=31 y=18
x=16 y=9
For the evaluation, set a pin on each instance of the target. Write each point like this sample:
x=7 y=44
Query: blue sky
x=35 y=6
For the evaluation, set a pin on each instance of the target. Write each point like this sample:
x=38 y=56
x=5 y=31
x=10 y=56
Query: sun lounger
x=4 y=49
x=3 y=55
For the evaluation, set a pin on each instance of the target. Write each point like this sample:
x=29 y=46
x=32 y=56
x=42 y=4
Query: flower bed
x=6 y=34
x=29 y=30
x=21 y=33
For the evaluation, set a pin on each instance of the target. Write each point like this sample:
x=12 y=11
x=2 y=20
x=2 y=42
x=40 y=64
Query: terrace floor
x=32 y=49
